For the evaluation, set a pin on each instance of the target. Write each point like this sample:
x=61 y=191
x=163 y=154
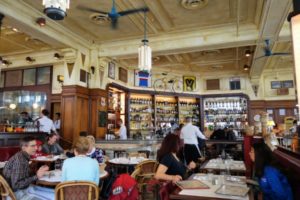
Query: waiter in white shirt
x=189 y=134
x=122 y=131
x=46 y=124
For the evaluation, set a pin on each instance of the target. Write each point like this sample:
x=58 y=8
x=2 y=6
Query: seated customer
x=38 y=152
x=272 y=182
x=81 y=167
x=51 y=146
x=170 y=167
x=94 y=152
x=16 y=173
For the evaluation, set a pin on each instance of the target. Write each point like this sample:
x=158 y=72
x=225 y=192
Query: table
x=53 y=178
x=54 y=162
x=217 y=165
x=209 y=194
x=125 y=165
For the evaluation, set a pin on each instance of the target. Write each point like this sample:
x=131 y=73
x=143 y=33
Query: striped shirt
x=16 y=171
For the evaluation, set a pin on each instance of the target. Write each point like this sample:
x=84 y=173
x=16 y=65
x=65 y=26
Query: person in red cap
x=39 y=149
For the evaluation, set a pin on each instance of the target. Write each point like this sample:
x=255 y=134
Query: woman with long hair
x=170 y=167
x=272 y=182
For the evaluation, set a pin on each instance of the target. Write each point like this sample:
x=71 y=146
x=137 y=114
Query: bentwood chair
x=5 y=190
x=77 y=190
x=143 y=173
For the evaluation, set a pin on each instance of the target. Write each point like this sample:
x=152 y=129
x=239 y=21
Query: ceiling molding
x=204 y=39
x=160 y=14
x=273 y=18
x=53 y=34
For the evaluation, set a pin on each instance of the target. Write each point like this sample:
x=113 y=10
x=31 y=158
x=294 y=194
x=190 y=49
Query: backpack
x=124 y=188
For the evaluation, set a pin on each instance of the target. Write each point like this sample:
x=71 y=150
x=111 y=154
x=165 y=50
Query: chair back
x=5 y=190
x=77 y=190
x=148 y=166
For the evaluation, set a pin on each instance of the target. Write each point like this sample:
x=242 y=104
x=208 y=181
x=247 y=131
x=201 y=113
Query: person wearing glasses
x=16 y=173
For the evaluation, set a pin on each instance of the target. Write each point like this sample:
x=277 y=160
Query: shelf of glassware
x=225 y=111
x=189 y=107
x=141 y=118
x=166 y=112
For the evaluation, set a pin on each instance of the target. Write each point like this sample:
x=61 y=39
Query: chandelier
x=145 y=57
x=56 y=9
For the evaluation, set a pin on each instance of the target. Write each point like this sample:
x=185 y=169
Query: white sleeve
x=199 y=134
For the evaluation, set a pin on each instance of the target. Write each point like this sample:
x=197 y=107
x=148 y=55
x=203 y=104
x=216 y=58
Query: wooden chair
x=77 y=190
x=5 y=189
x=144 y=172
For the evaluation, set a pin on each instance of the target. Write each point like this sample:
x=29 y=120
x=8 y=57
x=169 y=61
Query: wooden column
x=75 y=111
x=98 y=109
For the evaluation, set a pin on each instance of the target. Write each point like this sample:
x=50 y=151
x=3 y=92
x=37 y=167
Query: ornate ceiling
x=211 y=36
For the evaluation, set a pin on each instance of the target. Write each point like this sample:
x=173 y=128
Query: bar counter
x=13 y=138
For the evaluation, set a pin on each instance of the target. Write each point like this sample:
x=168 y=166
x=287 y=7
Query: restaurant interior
x=151 y=65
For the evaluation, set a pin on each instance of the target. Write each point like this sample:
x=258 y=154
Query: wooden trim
x=74 y=89
x=55 y=98
x=272 y=104
x=287 y=160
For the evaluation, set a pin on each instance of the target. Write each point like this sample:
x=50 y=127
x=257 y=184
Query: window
x=13 y=78
x=43 y=75
x=29 y=77
x=235 y=84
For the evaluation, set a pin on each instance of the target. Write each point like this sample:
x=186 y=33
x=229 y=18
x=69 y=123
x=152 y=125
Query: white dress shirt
x=189 y=134
x=46 y=125
x=57 y=124
x=123 y=132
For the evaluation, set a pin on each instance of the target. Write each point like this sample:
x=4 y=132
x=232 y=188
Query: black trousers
x=191 y=153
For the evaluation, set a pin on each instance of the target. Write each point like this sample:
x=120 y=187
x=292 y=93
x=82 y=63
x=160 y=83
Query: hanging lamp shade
x=56 y=9
x=145 y=57
x=145 y=53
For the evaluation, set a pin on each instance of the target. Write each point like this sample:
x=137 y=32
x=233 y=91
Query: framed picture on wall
x=288 y=84
x=111 y=70
x=123 y=74
x=189 y=83
x=142 y=78
x=275 y=84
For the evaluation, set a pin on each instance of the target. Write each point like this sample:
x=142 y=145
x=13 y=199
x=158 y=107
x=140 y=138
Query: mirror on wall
x=13 y=103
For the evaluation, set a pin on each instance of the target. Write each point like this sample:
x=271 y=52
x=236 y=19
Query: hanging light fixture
x=145 y=55
x=56 y=9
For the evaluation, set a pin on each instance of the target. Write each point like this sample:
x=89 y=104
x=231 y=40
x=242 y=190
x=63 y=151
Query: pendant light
x=145 y=55
x=56 y=9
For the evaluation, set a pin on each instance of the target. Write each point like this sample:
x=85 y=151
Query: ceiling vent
x=193 y=4
x=99 y=18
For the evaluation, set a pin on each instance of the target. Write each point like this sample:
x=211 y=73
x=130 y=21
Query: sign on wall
x=142 y=78
x=189 y=83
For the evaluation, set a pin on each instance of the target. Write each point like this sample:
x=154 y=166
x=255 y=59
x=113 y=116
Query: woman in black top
x=170 y=167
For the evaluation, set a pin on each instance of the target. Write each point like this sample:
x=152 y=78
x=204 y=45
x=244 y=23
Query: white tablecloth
x=55 y=176
x=128 y=161
x=213 y=188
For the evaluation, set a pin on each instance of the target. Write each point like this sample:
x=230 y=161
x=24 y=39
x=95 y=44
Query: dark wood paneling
x=55 y=98
x=255 y=107
x=213 y=84
x=75 y=110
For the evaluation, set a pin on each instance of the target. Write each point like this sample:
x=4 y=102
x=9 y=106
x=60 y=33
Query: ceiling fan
x=114 y=14
x=268 y=52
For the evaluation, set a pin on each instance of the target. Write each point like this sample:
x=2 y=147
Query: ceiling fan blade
x=91 y=10
x=281 y=54
x=127 y=12
x=261 y=57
